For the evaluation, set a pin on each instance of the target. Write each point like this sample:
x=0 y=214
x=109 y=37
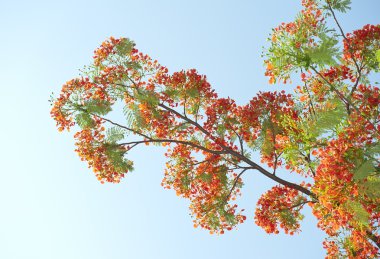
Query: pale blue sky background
x=51 y=204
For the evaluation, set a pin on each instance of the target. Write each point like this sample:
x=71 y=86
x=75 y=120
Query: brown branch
x=196 y=124
x=344 y=36
x=357 y=82
x=332 y=87
x=229 y=151
x=336 y=20
x=244 y=158
x=297 y=205
x=308 y=161
x=240 y=141
x=358 y=69
x=342 y=97
x=282 y=181
x=373 y=238
x=311 y=101
x=201 y=162
x=124 y=127
x=151 y=140
x=234 y=185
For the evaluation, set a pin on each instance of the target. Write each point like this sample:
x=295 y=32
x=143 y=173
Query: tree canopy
x=326 y=131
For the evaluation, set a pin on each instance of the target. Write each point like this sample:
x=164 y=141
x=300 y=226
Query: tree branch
x=187 y=143
x=227 y=150
x=244 y=158
x=344 y=36
x=342 y=97
x=297 y=205
x=374 y=238
x=234 y=185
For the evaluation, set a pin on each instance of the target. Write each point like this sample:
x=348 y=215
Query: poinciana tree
x=327 y=131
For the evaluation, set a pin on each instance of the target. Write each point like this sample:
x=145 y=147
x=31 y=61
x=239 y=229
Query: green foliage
x=148 y=97
x=222 y=174
x=371 y=187
x=367 y=174
x=365 y=165
x=206 y=177
x=138 y=120
x=192 y=92
x=230 y=218
x=221 y=130
x=125 y=47
x=196 y=138
x=117 y=91
x=361 y=216
x=324 y=54
x=135 y=66
x=185 y=181
x=98 y=107
x=340 y=5
x=172 y=92
x=373 y=151
x=265 y=139
x=115 y=154
x=115 y=134
x=372 y=56
x=327 y=120
x=312 y=129
x=364 y=170
x=288 y=217
x=129 y=116
x=84 y=120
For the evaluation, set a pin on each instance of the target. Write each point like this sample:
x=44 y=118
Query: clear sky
x=52 y=207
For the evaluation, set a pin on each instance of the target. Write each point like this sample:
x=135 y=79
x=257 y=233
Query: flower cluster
x=362 y=44
x=287 y=40
x=280 y=207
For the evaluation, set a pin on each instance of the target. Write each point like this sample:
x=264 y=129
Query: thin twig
x=297 y=205
x=151 y=140
x=349 y=47
x=234 y=185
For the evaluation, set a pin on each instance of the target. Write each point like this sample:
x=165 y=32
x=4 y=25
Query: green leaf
x=125 y=47
x=206 y=177
x=221 y=130
x=115 y=134
x=364 y=170
x=133 y=65
x=327 y=120
x=222 y=174
x=340 y=5
x=192 y=92
x=147 y=97
x=116 y=156
x=374 y=150
x=185 y=180
x=267 y=145
x=172 y=92
x=129 y=116
x=138 y=120
x=230 y=218
x=372 y=186
x=288 y=217
x=98 y=107
x=84 y=120
x=325 y=53
x=360 y=214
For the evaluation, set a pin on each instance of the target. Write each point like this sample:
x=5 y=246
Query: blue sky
x=51 y=204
